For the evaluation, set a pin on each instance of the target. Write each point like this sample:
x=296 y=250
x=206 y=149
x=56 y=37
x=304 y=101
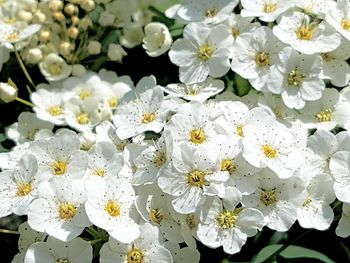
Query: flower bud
x=66 y=48
x=44 y=36
x=116 y=52
x=59 y=16
x=85 y=23
x=55 y=5
x=8 y=92
x=94 y=47
x=69 y=9
x=73 y=32
x=78 y=70
x=106 y=19
x=34 y=56
x=39 y=17
x=75 y=20
x=88 y=5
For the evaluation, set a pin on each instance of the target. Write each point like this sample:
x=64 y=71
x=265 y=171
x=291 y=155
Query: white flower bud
x=75 y=20
x=157 y=39
x=106 y=19
x=39 y=17
x=69 y=9
x=78 y=70
x=59 y=16
x=55 y=5
x=85 y=23
x=88 y=5
x=116 y=52
x=132 y=35
x=34 y=56
x=66 y=48
x=94 y=48
x=73 y=32
x=25 y=16
x=8 y=93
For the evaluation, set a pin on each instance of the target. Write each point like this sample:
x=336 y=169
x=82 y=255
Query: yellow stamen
x=324 y=115
x=113 y=208
x=59 y=167
x=269 y=151
x=227 y=219
x=205 y=52
x=268 y=197
x=23 y=189
x=148 y=117
x=135 y=256
x=55 y=110
x=156 y=215
x=196 y=178
x=262 y=59
x=67 y=211
x=197 y=136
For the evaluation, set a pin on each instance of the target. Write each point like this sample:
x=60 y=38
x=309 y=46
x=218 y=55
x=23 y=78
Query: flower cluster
x=150 y=170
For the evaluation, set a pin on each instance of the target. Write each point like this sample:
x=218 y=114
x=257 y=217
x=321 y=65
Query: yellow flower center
x=55 y=69
x=270 y=7
x=99 y=172
x=82 y=118
x=205 y=52
x=59 y=167
x=63 y=260
x=197 y=136
x=211 y=12
x=295 y=78
x=307 y=201
x=12 y=37
x=278 y=112
x=228 y=165
x=235 y=32
x=135 y=255
x=269 y=151
x=262 y=59
x=268 y=197
x=55 y=110
x=156 y=215
x=191 y=221
x=23 y=189
x=196 y=178
x=148 y=117
x=345 y=24
x=67 y=211
x=327 y=57
x=227 y=219
x=84 y=94
x=324 y=115
x=113 y=208
x=160 y=159
x=113 y=102
x=306 y=32
x=239 y=130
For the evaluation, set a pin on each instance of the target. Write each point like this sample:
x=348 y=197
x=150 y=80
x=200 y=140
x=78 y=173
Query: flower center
x=228 y=165
x=135 y=256
x=324 y=115
x=67 y=211
x=160 y=159
x=84 y=94
x=268 y=197
x=211 y=12
x=23 y=189
x=113 y=102
x=235 y=32
x=156 y=215
x=148 y=117
x=306 y=32
x=55 y=69
x=205 y=52
x=262 y=59
x=270 y=7
x=269 y=151
x=295 y=78
x=227 y=219
x=307 y=201
x=345 y=24
x=327 y=57
x=55 y=110
x=63 y=260
x=239 y=130
x=113 y=208
x=59 y=167
x=197 y=136
x=82 y=118
x=99 y=172
x=196 y=178
x=191 y=221
x=12 y=37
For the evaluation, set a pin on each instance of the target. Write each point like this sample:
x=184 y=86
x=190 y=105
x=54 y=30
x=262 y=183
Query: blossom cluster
x=150 y=170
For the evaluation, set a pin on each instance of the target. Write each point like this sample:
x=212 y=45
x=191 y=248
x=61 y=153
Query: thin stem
x=7 y=231
x=23 y=67
x=25 y=102
x=28 y=89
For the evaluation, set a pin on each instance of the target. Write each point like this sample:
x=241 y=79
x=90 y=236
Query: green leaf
x=95 y=15
x=292 y=254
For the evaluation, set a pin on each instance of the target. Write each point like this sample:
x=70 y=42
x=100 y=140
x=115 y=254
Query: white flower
x=184 y=254
x=239 y=24
x=59 y=209
x=206 y=11
x=148 y=248
x=197 y=91
x=9 y=160
x=255 y=54
x=339 y=17
x=108 y=206
x=343 y=228
x=54 y=250
x=278 y=199
x=203 y=51
x=298 y=78
x=8 y=93
x=305 y=35
x=19 y=187
x=274 y=147
x=13 y=33
x=54 y=68
x=339 y=166
x=157 y=39
x=315 y=7
x=224 y=224
x=141 y=110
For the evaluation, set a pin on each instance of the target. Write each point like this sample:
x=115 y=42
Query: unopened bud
x=94 y=47
x=73 y=32
x=8 y=91
x=69 y=9
x=88 y=5
x=34 y=56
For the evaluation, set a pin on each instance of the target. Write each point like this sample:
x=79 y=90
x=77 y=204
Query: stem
x=6 y=231
x=25 y=102
x=23 y=67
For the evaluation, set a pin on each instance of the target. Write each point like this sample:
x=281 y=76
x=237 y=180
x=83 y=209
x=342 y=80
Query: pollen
x=63 y=260
x=23 y=189
x=113 y=102
x=227 y=219
x=156 y=215
x=59 y=167
x=211 y=12
x=191 y=221
x=148 y=117
x=239 y=131
x=262 y=59
x=113 y=208
x=345 y=24
x=55 y=69
x=228 y=165
x=197 y=136
x=84 y=94
x=205 y=52
x=307 y=202
x=324 y=115
x=305 y=32
x=99 y=172
x=135 y=255
x=55 y=110
x=268 y=197
x=12 y=37
x=270 y=7
x=235 y=32
x=269 y=151
x=196 y=178
x=160 y=159
x=295 y=78
x=67 y=211
x=82 y=118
